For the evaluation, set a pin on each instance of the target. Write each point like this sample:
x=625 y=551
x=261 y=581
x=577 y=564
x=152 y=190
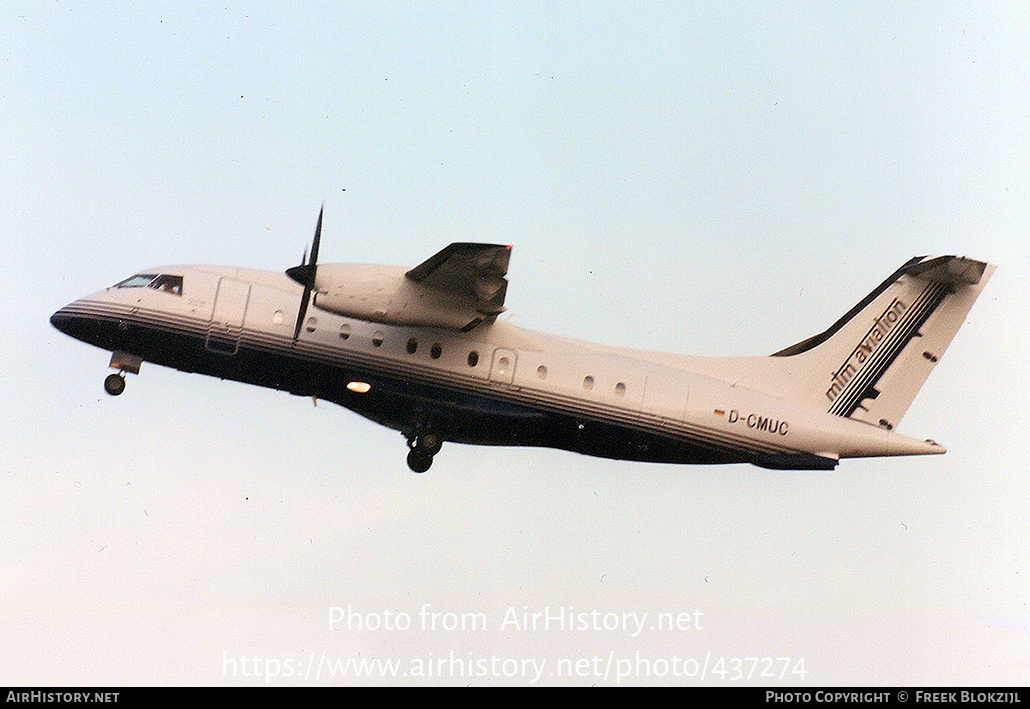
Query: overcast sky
x=701 y=178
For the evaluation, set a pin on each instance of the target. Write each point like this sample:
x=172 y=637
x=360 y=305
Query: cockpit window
x=158 y=281
x=168 y=284
x=141 y=280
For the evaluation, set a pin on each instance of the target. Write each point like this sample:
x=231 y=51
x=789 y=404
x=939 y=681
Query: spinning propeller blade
x=305 y=273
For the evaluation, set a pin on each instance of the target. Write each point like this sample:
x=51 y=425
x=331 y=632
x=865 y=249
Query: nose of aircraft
x=77 y=320
x=62 y=320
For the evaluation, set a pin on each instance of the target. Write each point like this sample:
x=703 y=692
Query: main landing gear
x=423 y=447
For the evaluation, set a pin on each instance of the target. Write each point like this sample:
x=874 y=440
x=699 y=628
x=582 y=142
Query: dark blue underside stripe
x=728 y=444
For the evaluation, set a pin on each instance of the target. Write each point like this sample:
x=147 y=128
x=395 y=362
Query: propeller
x=304 y=274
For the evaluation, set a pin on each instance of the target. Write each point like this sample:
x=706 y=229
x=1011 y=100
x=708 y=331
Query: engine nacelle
x=386 y=294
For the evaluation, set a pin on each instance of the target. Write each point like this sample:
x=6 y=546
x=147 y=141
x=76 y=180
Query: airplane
x=421 y=350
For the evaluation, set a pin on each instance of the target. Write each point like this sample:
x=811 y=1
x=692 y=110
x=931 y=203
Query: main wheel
x=419 y=460
x=430 y=443
x=114 y=384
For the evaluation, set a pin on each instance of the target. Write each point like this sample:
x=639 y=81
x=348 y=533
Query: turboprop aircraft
x=421 y=350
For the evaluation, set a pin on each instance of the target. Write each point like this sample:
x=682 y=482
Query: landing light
x=359 y=387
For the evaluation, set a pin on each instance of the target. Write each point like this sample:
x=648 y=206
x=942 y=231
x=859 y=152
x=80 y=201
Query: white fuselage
x=228 y=321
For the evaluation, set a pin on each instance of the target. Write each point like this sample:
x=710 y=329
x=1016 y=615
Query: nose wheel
x=114 y=384
x=423 y=447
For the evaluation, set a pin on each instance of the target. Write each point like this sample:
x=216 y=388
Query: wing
x=475 y=271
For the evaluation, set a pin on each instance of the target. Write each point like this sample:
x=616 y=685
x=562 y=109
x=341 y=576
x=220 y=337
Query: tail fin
x=870 y=364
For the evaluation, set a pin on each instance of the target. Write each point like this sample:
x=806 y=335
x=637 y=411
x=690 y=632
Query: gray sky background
x=691 y=177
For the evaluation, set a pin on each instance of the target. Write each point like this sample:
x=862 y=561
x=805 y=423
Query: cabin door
x=223 y=333
x=666 y=400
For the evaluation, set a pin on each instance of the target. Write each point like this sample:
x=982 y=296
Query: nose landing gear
x=124 y=362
